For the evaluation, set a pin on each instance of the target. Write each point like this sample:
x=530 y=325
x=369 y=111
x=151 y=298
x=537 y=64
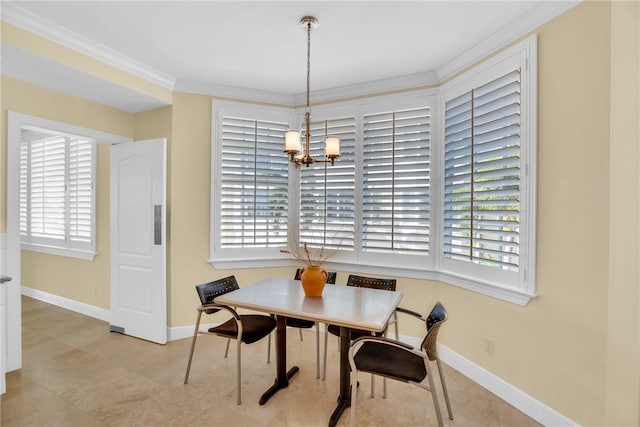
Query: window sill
x=227 y=264
x=512 y=295
x=55 y=250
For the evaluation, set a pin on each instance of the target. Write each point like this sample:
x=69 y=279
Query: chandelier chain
x=308 y=63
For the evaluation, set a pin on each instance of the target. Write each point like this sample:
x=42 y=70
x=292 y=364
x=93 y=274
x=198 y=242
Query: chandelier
x=292 y=137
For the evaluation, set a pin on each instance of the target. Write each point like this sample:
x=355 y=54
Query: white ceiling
x=260 y=45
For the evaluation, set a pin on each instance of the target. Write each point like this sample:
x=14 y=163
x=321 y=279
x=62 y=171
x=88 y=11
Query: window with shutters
x=373 y=205
x=327 y=193
x=57 y=192
x=488 y=169
x=395 y=181
x=251 y=192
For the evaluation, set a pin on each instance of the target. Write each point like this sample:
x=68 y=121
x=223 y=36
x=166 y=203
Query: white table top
x=349 y=306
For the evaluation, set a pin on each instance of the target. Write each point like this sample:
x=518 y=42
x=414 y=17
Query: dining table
x=344 y=306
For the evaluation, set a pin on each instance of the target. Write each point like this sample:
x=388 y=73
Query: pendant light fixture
x=292 y=143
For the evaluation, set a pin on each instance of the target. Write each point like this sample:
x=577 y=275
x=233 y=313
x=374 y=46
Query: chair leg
x=354 y=393
x=434 y=395
x=373 y=386
x=300 y=332
x=226 y=351
x=239 y=370
x=269 y=349
x=317 y=350
x=397 y=337
x=326 y=336
x=193 y=346
x=373 y=379
x=396 y=325
x=384 y=388
x=444 y=388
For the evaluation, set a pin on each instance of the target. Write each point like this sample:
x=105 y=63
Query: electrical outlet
x=489 y=346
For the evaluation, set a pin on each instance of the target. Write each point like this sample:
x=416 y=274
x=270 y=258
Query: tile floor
x=76 y=373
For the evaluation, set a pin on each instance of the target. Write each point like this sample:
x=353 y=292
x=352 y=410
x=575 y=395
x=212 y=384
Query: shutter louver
x=254 y=185
x=327 y=194
x=396 y=182
x=482 y=175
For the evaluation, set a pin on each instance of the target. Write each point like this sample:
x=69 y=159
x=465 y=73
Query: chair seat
x=300 y=323
x=254 y=327
x=389 y=361
x=355 y=333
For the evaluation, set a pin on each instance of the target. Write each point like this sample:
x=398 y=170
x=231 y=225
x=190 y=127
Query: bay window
x=437 y=183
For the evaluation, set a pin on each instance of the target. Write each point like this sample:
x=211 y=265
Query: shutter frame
x=396 y=182
x=253 y=184
x=57 y=192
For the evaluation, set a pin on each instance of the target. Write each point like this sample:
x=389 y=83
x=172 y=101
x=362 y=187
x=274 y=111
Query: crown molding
x=14 y=14
x=235 y=93
x=508 y=34
x=543 y=13
x=372 y=88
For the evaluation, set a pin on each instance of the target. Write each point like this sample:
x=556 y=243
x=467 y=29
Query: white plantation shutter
x=81 y=194
x=254 y=184
x=396 y=183
x=482 y=175
x=57 y=190
x=327 y=193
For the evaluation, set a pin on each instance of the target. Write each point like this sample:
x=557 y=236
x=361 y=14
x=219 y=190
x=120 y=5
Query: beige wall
x=190 y=191
x=555 y=349
x=84 y=281
x=623 y=320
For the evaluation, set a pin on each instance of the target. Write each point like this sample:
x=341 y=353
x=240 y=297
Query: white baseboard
x=519 y=399
x=69 y=304
x=507 y=392
x=179 y=332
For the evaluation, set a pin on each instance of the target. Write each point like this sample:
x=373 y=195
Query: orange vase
x=313 y=280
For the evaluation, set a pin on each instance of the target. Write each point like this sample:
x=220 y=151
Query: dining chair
x=399 y=361
x=301 y=324
x=362 y=282
x=244 y=328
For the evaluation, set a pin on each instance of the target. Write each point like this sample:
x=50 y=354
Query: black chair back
x=331 y=276
x=371 y=282
x=436 y=318
x=208 y=291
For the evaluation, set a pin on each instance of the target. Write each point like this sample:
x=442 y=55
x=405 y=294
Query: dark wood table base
x=342 y=405
x=344 y=399
x=282 y=376
x=277 y=385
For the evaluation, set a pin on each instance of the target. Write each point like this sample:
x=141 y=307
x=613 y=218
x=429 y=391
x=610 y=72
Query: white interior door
x=138 y=239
